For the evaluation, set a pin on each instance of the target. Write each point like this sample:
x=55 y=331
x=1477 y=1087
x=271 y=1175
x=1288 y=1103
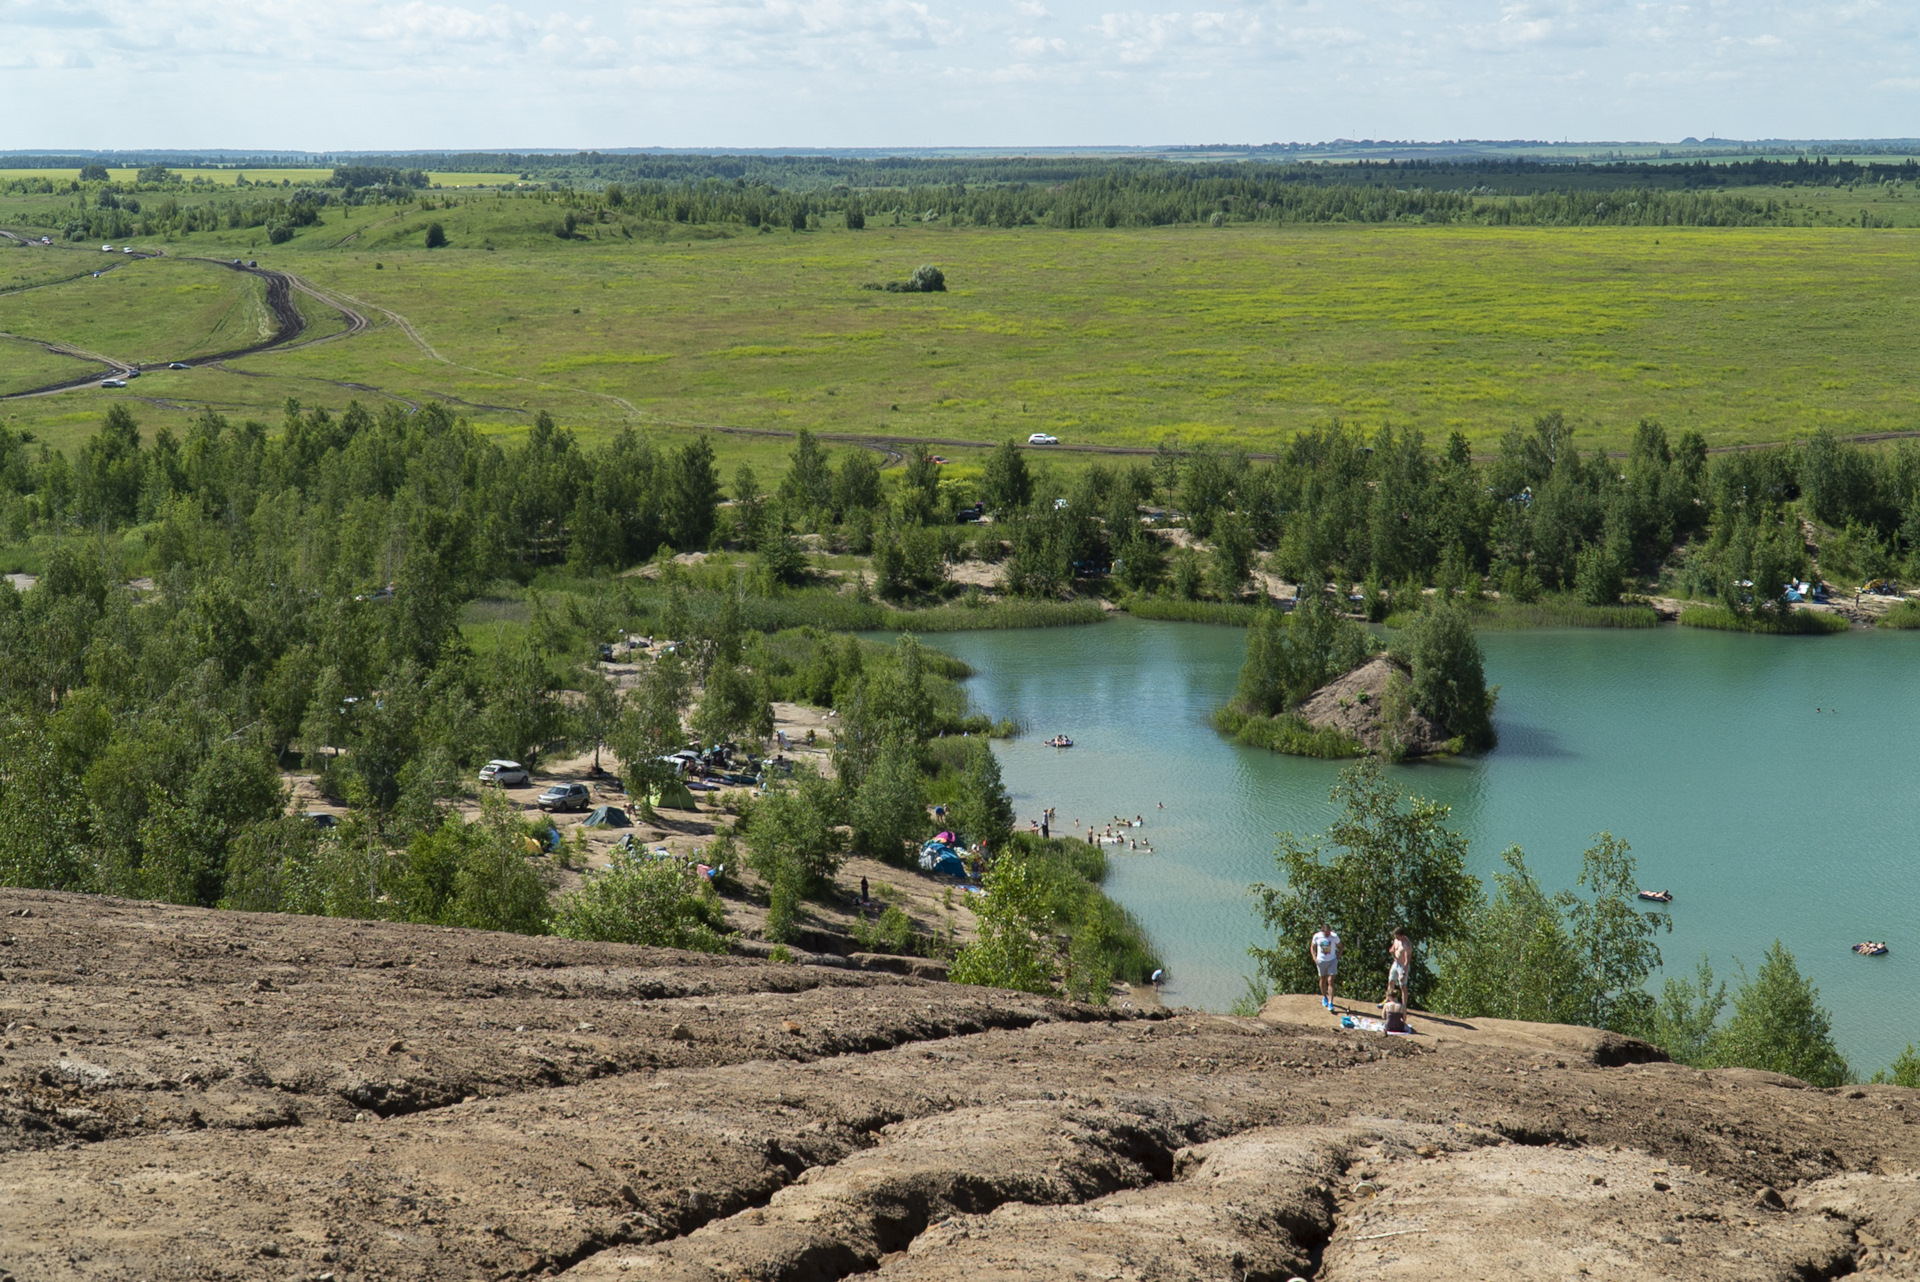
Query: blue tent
x=938 y=857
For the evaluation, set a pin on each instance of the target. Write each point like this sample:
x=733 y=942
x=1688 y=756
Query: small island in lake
x=1318 y=684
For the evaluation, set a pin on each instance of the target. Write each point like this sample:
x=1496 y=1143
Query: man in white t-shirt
x=1325 y=951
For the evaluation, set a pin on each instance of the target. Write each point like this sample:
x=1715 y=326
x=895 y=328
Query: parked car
x=113 y=382
x=1042 y=438
x=505 y=773
x=565 y=796
x=322 y=820
x=133 y=373
x=178 y=365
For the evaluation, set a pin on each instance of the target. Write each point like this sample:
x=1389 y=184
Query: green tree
x=659 y=903
x=649 y=728
x=1387 y=862
x=792 y=845
x=495 y=887
x=598 y=716
x=732 y=706
x=1683 y=1021
x=184 y=841
x=1005 y=484
x=1288 y=657
x=808 y=484
x=522 y=713
x=1779 y=1025
x=1013 y=947
x=887 y=810
x=919 y=493
x=749 y=506
x=436 y=236
x=1556 y=959
x=695 y=495
x=857 y=487
x=1232 y=561
x=1449 y=677
x=1613 y=941
x=982 y=811
x=1904 y=1071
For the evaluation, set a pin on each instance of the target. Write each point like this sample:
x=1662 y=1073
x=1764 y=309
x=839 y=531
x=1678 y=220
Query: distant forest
x=1080 y=192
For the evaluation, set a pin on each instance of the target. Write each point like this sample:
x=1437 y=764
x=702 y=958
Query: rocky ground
x=1354 y=704
x=194 y=1094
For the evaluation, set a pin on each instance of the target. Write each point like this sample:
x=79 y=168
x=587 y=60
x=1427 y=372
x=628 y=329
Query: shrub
x=1904 y=615
x=1779 y=1025
x=661 y=903
x=926 y=279
x=1783 y=623
x=436 y=235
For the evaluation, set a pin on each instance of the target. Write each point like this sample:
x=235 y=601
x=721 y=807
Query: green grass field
x=1239 y=335
x=32 y=267
x=24 y=365
x=145 y=310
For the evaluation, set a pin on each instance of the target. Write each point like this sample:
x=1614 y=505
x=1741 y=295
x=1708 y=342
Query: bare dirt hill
x=1355 y=704
x=192 y=1094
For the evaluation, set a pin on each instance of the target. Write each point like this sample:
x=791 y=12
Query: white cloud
x=423 y=73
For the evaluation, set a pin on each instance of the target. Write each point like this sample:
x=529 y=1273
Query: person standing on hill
x=1399 y=962
x=1325 y=950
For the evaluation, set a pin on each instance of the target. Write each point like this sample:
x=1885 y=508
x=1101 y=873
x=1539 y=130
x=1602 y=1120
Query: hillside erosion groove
x=190 y=1094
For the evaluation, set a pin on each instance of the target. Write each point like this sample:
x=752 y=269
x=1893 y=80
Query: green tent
x=673 y=795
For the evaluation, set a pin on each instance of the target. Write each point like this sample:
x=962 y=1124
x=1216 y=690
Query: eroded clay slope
x=189 y=1094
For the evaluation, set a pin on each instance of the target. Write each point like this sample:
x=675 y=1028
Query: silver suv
x=566 y=796
x=505 y=773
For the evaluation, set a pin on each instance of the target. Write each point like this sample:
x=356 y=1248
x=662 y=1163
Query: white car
x=505 y=773
x=106 y=249
x=1041 y=438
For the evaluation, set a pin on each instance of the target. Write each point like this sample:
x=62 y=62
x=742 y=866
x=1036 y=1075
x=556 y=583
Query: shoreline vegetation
x=1796 y=623
x=1513 y=950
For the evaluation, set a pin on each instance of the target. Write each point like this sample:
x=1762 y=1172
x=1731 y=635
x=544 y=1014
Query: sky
x=405 y=74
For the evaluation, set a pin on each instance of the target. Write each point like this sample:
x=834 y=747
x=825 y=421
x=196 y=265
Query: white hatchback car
x=505 y=773
x=1041 y=438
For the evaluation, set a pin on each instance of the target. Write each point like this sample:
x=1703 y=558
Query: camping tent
x=608 y=817
x=938 y=857
x=673 y=795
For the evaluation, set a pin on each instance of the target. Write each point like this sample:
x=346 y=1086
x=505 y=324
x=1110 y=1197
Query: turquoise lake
x=1703 y=750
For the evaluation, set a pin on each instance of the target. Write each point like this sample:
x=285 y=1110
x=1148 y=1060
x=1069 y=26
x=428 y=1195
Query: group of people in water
x=1107 y=836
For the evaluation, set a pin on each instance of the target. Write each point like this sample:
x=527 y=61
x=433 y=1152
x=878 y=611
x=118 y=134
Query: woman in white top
x=1325 y=950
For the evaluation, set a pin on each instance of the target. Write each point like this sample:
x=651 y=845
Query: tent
x=938 y=857
x=607 y=817
x=673 y=795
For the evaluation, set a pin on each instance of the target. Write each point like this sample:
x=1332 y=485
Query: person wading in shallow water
x=1325 y=950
